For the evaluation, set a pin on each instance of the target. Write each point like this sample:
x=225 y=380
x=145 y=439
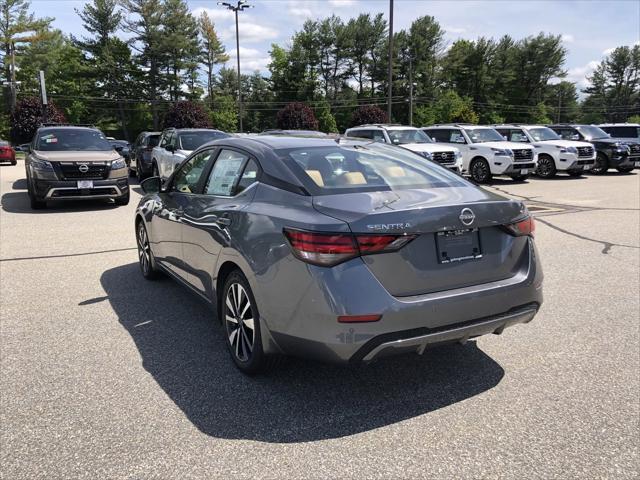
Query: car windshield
x=372 y=167
x=590 y=132
x=481 y=135
x=74 y=139
x=540 y=134
x=119 y=143
x=194 y=140
x=624 y=132
x=404 y=136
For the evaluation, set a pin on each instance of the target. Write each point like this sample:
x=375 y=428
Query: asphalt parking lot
x=104 y=375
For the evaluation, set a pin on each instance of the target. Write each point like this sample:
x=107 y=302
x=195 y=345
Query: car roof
x=383 y=126
x=194 y=129
x=618 y=125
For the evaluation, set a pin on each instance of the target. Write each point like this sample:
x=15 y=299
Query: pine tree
x=213 y=52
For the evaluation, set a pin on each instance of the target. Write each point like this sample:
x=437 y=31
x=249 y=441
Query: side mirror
x=170 y=148
x=460 y=140
x=119 y=148
x=151 y=185
x=395 y=141
x=25 y=147
x=575 y=137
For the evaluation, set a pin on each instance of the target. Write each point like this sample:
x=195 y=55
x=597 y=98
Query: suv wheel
x=241 y=320
x=139 y=175
x=145 y=256
x=546 y=167
x=33 y=200
x=624 y=169
x=601 y=165
x=480 y=171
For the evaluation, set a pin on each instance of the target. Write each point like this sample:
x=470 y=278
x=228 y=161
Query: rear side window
x=344 y=168
x=622 y=132
x=225 y=173
x=439 y=135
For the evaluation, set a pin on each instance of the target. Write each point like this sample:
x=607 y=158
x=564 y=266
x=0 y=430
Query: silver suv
x=410 y=138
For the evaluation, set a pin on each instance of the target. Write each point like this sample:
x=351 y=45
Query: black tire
x=243 y=338
x=36 y=204
x=139 y=175
x=624 y=169
x=575 y=173
x=601 y=166
x=14 y=162
x=124 y=200
x=520 y=177
x=546 y=167
x=480 y=171
x=145 y=256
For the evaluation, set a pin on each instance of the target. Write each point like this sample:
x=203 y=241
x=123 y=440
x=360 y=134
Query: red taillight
x=521 y=228
x=328 y=249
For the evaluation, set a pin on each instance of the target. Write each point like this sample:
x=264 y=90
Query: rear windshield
x=372 y=167
x=194 y=140
x=80 y=139
x=623 y=132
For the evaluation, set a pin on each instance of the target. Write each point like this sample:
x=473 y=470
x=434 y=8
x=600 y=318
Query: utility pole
x=559 y=102
x=43 y=95
x=11 y=82
x=410 y=89
x=390 y=75
x=240 y=6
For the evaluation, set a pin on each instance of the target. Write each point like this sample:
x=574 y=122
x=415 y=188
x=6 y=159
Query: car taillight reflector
x=328 y=249
x=526 y=226
x=358 y=318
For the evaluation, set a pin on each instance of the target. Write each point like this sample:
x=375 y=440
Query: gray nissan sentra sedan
x=340 y=250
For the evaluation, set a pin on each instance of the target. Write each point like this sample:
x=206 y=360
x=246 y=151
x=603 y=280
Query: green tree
x=450 y=107
x=145 y=24
x=213 y=52
x=562 y=102
x=326 y=120
x=18 y=29
x=180 y=45
x=224 y=114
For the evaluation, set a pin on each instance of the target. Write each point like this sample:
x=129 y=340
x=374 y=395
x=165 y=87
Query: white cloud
x=341 y=3
x=249 y=33
x=608 y=51
x=567 y=38
x=296 y=10
x=455 y=29
x=251 y=59
x=579 y=75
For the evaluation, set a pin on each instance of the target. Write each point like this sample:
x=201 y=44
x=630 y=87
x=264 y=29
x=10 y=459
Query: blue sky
x=589 y=28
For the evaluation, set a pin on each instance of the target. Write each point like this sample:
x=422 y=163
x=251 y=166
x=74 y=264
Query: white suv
x=554 y=153
x=485 y=152
x=410 y=138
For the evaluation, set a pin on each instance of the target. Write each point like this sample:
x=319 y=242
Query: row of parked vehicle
x=80 y=162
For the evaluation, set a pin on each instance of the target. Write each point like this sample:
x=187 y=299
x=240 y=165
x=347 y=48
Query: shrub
x=296 y=116
x=326 y=121
x=27 y=117
x=368 y=114
x=186 y=115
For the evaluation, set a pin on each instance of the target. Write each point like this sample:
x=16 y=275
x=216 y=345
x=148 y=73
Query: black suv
x=73 y=163
x=141 y=162
x=610 y=152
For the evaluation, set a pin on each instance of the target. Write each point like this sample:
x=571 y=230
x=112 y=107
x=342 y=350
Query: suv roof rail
x=380 y=125
x=52 y=124
x=455 y=125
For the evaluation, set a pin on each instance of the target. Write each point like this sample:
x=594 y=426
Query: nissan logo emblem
x=467 y=216
x=84 y=168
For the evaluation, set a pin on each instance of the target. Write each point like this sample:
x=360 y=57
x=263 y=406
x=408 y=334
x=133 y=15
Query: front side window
x=225 y=173
x=540 y=134
x=623 y=132
x=152 y=140
x=361 y=134
x=439 y=135
x=482 y=135
x=165 y=139
x=194 y=140
x=374 y=167
x=186 y=180
x=405 y=136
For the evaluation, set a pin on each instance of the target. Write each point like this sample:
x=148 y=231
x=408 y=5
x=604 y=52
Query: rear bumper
x=386 y=345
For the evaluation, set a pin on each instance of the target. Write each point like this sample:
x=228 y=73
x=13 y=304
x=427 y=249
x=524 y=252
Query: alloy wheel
x=545 y=167
x=239 y=322
x=144 y=251
x=480 y=171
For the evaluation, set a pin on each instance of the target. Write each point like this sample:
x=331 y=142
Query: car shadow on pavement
x=18 y=202
x=182 y=346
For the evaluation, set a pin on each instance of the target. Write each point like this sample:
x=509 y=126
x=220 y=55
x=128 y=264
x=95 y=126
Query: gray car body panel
x=298 y=302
